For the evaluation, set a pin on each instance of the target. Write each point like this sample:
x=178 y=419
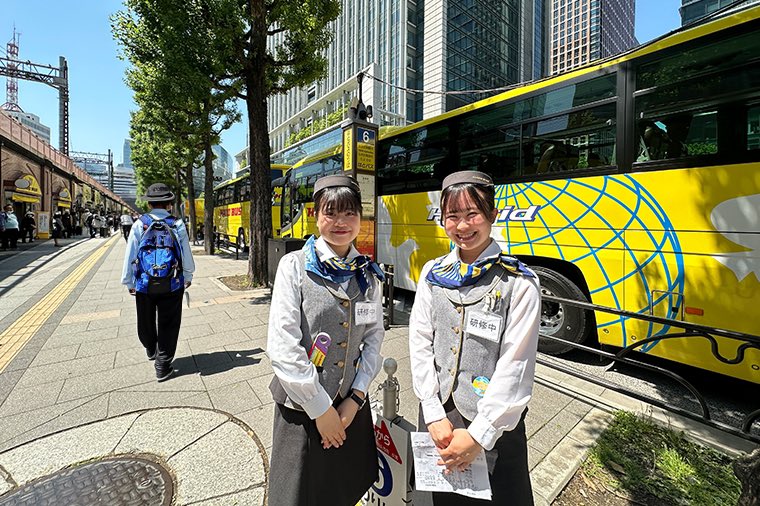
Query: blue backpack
x=158 y=266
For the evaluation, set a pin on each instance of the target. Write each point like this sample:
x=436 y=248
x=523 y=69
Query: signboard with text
x=365 y=149
x=359 y=160
x=395 y=462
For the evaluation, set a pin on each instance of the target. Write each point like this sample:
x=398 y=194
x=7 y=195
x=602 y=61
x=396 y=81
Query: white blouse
x=511 y=386
x=291 y=364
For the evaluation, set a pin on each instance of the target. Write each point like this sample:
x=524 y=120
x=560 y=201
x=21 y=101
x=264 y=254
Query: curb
x=553 y=473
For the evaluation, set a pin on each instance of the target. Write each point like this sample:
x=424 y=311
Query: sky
x=100 y=101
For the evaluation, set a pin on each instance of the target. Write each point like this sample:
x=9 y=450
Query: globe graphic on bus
x=613 y=230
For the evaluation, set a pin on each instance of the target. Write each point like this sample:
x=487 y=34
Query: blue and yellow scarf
x=460 y=274
x=339 y=270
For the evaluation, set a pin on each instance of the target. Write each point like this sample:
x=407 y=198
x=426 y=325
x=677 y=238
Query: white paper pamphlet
x=428 y=475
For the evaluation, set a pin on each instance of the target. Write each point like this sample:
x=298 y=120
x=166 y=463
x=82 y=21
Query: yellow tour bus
x=232 y=206
x=297 y=219
x=633 y=183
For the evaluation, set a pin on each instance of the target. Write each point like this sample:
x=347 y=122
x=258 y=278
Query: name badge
x=365 y=313
x=483 y=324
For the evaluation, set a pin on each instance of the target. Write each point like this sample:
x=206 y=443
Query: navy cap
x=333 y=181
x=467 y=176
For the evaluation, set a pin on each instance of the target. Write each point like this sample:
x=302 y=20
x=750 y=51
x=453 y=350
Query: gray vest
x=461 y=357
x=326 y=307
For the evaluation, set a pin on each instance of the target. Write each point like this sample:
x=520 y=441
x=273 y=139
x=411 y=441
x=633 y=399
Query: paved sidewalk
x=85 y=368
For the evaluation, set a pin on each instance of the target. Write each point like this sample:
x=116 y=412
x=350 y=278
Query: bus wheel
x=241 y=241
x=560 y=320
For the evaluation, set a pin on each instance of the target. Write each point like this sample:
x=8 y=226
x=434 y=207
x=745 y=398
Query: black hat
x=331 y=181
x=467 y=176
x=158 y=192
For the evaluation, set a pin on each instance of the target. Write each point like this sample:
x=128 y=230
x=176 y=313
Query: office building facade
x=127 y=154
x=692 y=10
x=124 y=183
x=222 y=165
x=437 y=45
x=32 y=122
x=586 y=30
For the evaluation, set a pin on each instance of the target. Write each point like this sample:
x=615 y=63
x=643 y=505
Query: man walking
x=126 y=224
x=158 y=267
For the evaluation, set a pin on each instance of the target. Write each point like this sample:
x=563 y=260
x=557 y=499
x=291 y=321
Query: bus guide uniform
x=302 y=472
x=473 y=352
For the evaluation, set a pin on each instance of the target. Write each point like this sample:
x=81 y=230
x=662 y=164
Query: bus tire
x=241 y=241
x=560 y=320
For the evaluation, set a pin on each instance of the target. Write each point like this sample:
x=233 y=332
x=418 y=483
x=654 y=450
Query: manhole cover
x=112 y=482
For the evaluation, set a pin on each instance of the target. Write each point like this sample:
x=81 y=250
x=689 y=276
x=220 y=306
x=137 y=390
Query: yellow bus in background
x=633 y=183
x=232 y=206
x=297 y=215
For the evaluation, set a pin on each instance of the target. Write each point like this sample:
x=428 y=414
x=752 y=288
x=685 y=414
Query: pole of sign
x=394 y=452
x=360 y=160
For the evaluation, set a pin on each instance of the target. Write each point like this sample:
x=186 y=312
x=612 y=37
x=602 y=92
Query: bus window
x=244 y=189
x=237 y=191
x=753 y=128
x=685 y=101
x=677 y=136
x=576 y=141
x=500 y=160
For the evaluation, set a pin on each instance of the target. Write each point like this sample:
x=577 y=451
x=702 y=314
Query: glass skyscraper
x=436 y=45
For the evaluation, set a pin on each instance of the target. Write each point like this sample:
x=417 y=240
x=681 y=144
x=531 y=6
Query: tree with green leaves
x=183 y=72
x=281 y=48
x=159 y=154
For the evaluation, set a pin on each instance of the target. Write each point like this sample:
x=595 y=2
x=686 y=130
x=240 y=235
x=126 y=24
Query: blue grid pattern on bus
x=630 y=201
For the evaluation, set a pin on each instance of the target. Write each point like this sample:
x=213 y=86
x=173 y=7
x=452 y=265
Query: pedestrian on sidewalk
x=158 y=268
x=59 y=229
x=67 y=227
x=325 y=332
x=98 y=223
x=473 y=334
x=28 y=226
x=126 y=224
x=86 y=220
x=10 y=221
x=3 y=243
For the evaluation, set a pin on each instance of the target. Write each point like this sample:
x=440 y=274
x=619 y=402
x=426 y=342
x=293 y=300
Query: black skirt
x=302 y=473
x=508 y=470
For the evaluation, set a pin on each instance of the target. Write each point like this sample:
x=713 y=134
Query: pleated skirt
x=302 y=473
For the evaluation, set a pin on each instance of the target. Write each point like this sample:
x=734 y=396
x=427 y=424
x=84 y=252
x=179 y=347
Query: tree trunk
x=191 y=202
x=258 y=134
x=747 y=469
x=208 y=189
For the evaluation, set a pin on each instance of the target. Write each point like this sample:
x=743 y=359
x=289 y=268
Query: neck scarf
x=460 y=274
x=339 y=270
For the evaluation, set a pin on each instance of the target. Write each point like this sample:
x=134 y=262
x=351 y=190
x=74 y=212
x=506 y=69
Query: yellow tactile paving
x=15 y=337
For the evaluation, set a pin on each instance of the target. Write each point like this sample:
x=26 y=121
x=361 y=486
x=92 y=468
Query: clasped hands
x=332 y=424
x=456 y=446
